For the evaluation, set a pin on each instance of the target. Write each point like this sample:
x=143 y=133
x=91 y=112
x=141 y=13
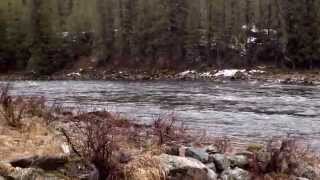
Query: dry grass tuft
x=34 y=138
x=144 y=167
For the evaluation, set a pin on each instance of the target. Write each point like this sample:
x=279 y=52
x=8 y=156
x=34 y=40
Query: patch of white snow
x=187 y=72
x=229 y=72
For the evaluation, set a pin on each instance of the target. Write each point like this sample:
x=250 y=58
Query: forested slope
x=44 y=36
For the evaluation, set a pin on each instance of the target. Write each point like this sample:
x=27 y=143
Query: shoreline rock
x=304 y=78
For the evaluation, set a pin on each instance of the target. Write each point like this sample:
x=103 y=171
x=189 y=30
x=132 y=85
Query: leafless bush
x=36 y=106
x=281 y=156
x=222 y=144
x=93 y=139
x=11 y=111
x=168 y=129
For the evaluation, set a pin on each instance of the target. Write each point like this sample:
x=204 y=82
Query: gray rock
x=301 y=178
x=197 y=153
x=239 y=76
x=240 y=161
x=235 y=174
x=212 y=149
x=184 y=168
x=221 y=161
x=212 y=166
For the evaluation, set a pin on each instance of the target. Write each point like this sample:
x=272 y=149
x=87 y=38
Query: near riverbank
x=40 y=142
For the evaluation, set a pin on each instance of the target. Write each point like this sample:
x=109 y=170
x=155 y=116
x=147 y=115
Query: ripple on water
x=249 y=111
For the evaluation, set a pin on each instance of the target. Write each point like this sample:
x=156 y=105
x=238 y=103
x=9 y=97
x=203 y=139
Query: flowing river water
x=249 y=111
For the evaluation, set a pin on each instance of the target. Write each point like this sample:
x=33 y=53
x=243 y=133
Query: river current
x=251 y=111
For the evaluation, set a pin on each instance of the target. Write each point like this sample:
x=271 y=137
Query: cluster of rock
x=190 y=163
x=179 y=163
x=226 y=74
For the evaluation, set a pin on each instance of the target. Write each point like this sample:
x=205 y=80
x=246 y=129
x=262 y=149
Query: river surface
x=248 y=110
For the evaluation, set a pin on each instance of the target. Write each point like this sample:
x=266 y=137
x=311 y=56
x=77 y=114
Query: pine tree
x=105 y=38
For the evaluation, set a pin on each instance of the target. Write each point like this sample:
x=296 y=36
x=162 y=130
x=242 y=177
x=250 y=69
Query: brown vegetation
x=283 y=159
x=119 y=148
x=11 y=112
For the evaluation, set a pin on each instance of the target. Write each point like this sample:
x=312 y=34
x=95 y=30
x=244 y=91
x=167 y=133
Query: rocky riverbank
x=54 y=143
x=262 y=74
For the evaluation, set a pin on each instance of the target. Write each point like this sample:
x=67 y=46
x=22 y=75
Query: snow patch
x=229 y=72
x=255 y=71
x=251 y=39
x=74 y=74
x=187 y=72
x=206 y=74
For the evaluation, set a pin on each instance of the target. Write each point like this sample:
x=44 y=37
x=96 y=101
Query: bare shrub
x=11 y=111
x=222 y=144
x=36 y=106
x=168 y=129
x=281 y=156
x=93 y=139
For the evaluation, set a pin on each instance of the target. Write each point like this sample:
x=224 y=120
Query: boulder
x=221 y=161
x=239 y=76
x=197 y=153
x=235 y=174
x=184 y=168
x=301 y=178
x=212 y=166
x=240 y=161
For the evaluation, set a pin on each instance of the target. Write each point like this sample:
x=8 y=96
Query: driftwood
x=42 y=162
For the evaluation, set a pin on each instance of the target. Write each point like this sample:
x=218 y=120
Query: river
x=249 y=111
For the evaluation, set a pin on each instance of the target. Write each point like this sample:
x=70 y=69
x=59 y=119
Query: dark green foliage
x=45 y=36
x=303 y=27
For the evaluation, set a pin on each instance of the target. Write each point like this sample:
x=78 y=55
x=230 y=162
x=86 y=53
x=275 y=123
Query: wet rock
x=198 y=153
x=235 y=174
x=240 y=161
x=221 y=161
x=212 y=149
x=184 y=168
x=45 y=162
x=239 y=76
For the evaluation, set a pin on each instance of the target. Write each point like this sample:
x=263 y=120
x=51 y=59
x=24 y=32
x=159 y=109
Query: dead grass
x=286 y=155
x=35 y=138
x=144 y=167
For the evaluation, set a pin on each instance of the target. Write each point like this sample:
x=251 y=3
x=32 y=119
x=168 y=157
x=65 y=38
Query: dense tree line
x=43 y=36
